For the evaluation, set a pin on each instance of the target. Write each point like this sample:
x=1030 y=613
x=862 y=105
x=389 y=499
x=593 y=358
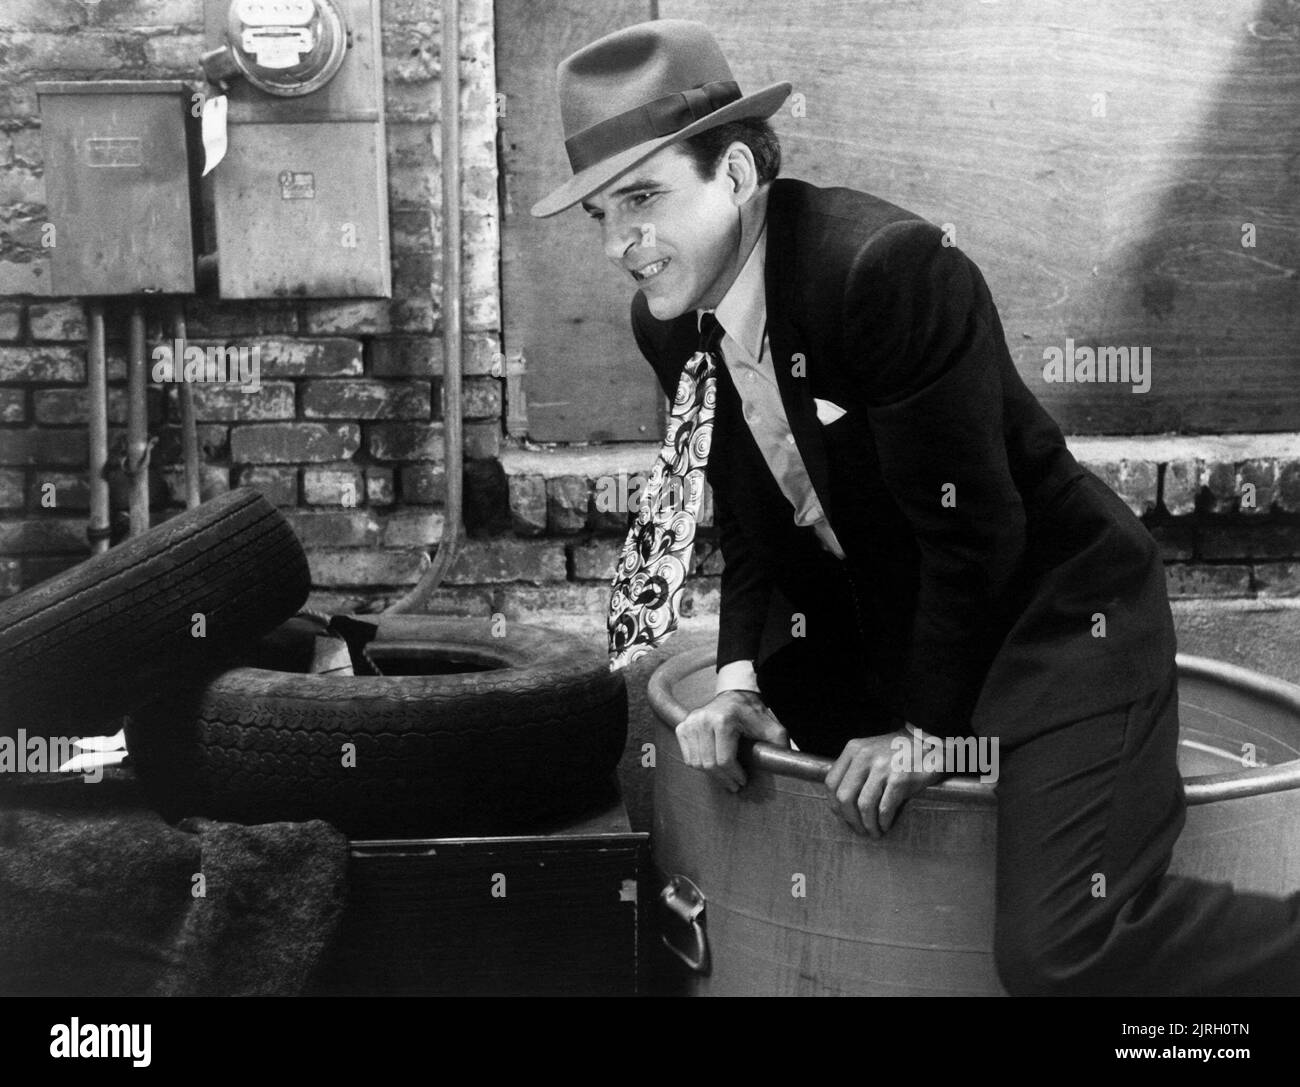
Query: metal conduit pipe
x=98 y=530
x=137 y=423
x=417 y=599
x=189 y=425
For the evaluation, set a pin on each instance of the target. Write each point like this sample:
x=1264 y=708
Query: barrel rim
x=1199 y=789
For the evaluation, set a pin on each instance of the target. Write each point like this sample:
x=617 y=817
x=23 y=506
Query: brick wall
x=346 y=431
x=1225 y=510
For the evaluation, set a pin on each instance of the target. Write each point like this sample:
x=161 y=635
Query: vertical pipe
x=98 y=530
x=418 y=597
x=451 y=279
x=189 y=427
x=137 y=424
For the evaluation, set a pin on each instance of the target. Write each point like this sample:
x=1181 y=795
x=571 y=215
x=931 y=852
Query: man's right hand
x=709 y=736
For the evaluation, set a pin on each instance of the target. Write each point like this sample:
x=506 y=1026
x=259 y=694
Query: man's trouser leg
x=1088 y=813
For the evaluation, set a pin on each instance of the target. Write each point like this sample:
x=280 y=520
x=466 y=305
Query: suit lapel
x=786 y=343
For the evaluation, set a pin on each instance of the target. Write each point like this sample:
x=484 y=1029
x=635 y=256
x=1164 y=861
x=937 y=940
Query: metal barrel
x=791 y=902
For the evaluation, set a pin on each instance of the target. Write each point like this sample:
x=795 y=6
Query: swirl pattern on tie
x=646 y=594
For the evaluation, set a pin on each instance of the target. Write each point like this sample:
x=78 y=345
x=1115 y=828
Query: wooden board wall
x=1115 y=229
x=1122 y=229
x=562 y=305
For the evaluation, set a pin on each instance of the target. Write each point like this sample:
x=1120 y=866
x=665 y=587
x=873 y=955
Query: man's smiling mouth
x=649 y=271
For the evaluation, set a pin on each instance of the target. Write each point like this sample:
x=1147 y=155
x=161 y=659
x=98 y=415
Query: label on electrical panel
x=297 y=185
x=214 y=131
x=114 y=151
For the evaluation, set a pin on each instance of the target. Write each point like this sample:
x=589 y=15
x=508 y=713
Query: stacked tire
x=156 y=613
x=480 y=734
x=470 y=729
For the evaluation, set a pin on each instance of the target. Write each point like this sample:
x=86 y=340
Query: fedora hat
x=633 y=92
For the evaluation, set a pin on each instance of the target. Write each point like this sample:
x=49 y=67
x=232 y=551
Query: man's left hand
x=869 y=784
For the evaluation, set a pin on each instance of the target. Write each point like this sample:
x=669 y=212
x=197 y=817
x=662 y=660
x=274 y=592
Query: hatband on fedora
x=633 y=92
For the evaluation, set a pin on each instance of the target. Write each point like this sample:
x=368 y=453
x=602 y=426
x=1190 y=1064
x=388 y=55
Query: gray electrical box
x=301 y=197
x=120 y=171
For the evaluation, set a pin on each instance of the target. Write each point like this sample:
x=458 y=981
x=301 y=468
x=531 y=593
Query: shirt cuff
x=737 y=676
x=827 y=536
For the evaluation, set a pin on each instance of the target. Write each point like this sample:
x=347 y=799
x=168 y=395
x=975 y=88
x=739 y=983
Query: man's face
x=671 y=234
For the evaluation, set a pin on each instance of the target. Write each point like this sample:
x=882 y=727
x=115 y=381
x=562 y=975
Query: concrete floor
x=1259 y=634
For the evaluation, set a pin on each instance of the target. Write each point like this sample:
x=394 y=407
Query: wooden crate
x=550 y=913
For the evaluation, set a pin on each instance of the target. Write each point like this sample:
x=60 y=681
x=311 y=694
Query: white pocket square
x=828 y=412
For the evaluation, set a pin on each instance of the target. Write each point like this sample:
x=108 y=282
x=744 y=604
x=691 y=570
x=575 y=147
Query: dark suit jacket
x=979 y=614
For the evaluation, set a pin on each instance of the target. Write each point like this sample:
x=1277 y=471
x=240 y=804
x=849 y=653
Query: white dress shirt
x=742 y=313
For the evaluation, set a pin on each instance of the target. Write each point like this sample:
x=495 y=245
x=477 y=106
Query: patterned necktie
x=656 y=556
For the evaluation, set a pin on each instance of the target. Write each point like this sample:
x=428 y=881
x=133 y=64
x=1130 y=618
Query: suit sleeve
x=746 y=583
x=746 y=589
x=934 y=392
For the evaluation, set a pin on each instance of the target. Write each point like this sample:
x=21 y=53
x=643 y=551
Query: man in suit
x=909 y=546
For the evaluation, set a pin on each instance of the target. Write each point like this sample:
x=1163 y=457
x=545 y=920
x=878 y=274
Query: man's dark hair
x=706 y=150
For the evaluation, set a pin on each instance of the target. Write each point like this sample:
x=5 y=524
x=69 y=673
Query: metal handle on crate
x=681 y=903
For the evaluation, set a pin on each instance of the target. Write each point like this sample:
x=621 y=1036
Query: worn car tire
x=514 y=730
x=81 y=649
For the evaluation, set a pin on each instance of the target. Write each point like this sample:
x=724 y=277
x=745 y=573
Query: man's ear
x=742 y=171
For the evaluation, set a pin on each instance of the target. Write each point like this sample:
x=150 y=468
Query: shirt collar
x=742 y=313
